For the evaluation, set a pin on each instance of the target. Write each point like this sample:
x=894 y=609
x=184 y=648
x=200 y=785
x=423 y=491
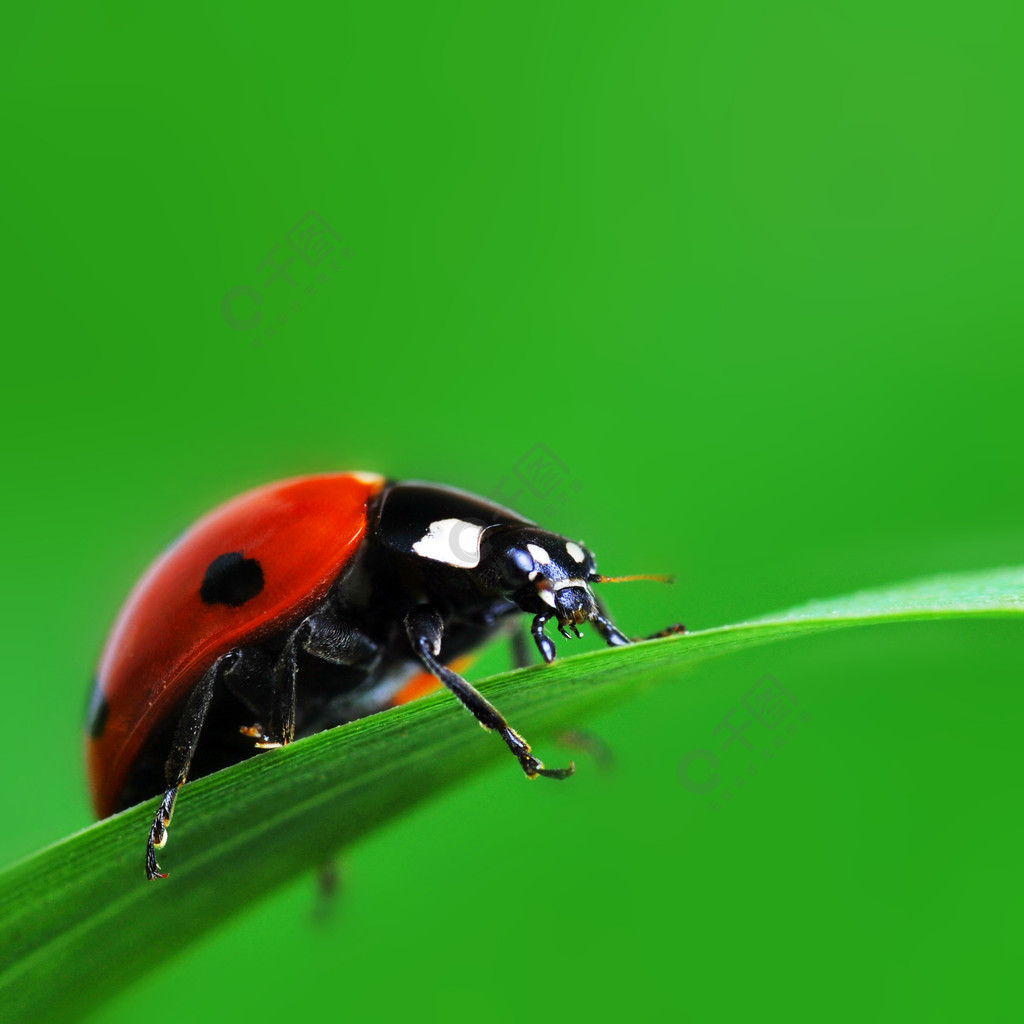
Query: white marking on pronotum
x=368 y=478
x=562 y=584
x=452 y=541
x=547 y=597
x=540 y=556
x=576 y=551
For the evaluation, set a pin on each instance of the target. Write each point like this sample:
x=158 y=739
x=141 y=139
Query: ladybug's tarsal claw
x=153 y=871
x=557 y=773
x=530 y=764
x=158 y=833
x=157 y=838
x=263 y=740
x=266 y=742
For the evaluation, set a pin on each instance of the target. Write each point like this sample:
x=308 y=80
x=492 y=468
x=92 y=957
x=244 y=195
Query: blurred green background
x=751 y=271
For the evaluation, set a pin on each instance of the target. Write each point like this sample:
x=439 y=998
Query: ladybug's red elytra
x=312 y=602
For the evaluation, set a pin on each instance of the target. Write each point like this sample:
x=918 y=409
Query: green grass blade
x=77 y=920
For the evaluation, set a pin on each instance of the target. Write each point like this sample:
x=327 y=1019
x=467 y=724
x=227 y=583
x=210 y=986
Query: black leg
x=328 y=876
x=325 y=636
x=250 y=677
x=614 y=637
x=674 y=630
x=544 y=643
x=281 y=722
x=328 y=880
x=331 y=638
x=425 y=628
x=520 y=650
x=186 y=736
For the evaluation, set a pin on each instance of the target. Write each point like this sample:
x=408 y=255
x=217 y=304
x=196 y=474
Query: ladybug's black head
x=541 y=572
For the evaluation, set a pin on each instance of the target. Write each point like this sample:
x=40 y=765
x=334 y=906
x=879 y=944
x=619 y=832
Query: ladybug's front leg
x=186 y=736
x=425 y=628
x=614 y=637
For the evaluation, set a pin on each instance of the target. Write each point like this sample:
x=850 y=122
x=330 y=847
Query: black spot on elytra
x=99 y=710
x=231 y=579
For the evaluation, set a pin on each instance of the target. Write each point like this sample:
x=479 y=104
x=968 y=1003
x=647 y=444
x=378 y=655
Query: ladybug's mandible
x=312 y=602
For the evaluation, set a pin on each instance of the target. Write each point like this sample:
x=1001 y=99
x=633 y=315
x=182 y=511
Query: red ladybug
x=312 y=602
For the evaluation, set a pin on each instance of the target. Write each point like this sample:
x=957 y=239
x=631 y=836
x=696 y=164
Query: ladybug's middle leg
x=521 y=655
x=425 y=628
x=326 y=635
x=183 y=747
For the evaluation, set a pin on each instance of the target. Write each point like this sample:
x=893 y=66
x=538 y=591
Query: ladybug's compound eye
x=541 y=572
x=516 y=569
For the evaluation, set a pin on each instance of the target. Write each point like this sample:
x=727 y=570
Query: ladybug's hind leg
x=328 y=882
x=183 y=748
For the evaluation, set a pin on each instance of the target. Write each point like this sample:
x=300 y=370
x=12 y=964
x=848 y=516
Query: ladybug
x=312 y=602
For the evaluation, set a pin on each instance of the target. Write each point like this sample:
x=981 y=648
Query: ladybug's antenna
x=627 y=579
